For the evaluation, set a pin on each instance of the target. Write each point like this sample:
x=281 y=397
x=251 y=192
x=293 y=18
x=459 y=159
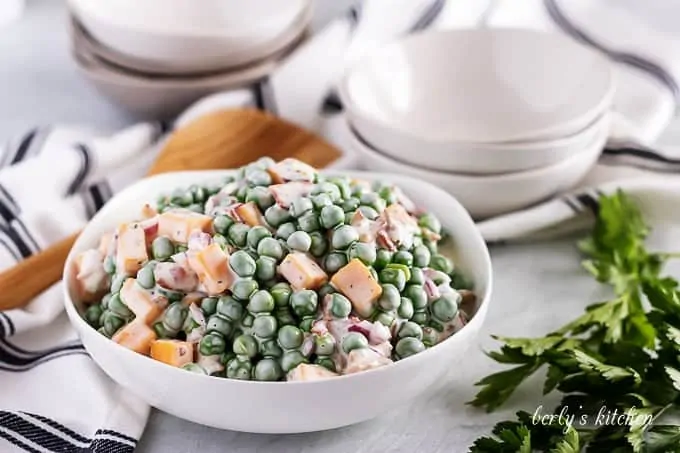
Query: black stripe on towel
x=635 y=61
x=331 y=104
x=642 y=153
x=20 y=227
x=590 y=202
x=264 y=96
x=11 y=202
x=7 y=244
x=354 y=16
x=25 y=427
x=83 y=171
x=22 y=149
x=572 y=204
x=8 y=206
x=16 y=240
x=429 y=16
x=17 y=443
x=12 y=362
x=10 y=325
x=96 y=196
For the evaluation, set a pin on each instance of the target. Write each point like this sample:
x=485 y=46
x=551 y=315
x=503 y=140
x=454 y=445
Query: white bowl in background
x=479 y=86
x=195 y=36
x=486 y=196
x=282 y=407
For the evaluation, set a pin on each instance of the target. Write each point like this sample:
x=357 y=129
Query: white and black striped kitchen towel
x=53 y=398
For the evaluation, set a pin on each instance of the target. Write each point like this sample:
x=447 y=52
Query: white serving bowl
x=476 y=86
x=282 y=407
x=486 y=196
x=191 y=36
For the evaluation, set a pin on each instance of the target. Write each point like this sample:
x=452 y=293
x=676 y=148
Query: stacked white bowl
x=500 y=118
x=158 y=56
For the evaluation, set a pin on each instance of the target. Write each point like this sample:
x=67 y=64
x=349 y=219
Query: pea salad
x=278 y=273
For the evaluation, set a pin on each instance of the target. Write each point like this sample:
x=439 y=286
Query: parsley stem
x=672 y=255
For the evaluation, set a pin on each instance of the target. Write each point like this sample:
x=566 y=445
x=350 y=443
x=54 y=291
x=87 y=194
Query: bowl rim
x=529 y=135
x=357 y=140
x=476 y=321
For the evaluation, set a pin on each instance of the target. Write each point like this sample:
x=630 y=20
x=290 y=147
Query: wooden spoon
x=224 y=139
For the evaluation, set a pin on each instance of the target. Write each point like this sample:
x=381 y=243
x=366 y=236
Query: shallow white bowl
x=486 y=196
x=481 y=86
x=283 y=407
x=189 y=36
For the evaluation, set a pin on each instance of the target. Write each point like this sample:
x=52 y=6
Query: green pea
x=261 y=302
x=212 y=344
x=181 y=198
x=221 y=241
x=353 y=340
x=110 y=265
x=301 y=206
x=440 y=278
x=175 y=316
x=290 y=337
x=417 y=276
x=284 y=231
x=308 y=222
x=216 y=323
x=145 y=276
x=349 y=218
x=248 y=320
x=238 y=234
x=270 y=247
x=420 y=317
x=242 y=263
x=326 y=362
x=385 y=318
x=403 y=257
x=409 y=346
x=245 y=345
x=258 y=177
x=162 y=331
x=430 y=222
x=390 y=297
x=267 y=370
x=277 y=216
x=239 y=368
x=331 y=216
x=383 y=257
x=270 y=348
x=350 y=205
x=281 y=293
x=265 y=268
x=264 y=326
x=292 y=359
x=229 y=308
x=102 y=331
x=405 y=309
x=430 y=336
x=194 y=368
x=299 y=241
x=117 y=282
x=284 y=317
x=435 y=324
x=364 y=252
x=387 y=193
x=334 y=262
x=421 y=256
x=344 y=236
x=222 y=223
x=243 y=288
x=330 y=189
x=393 y=276
x=319 y=244
x=200 y=194
x=111 y=322
x=256 y=234
x=340 y=306
x=189 y=325
x=307 y=323
x=324 y=344
x=304 y=302
x=92 y=315
x=410 y=329
x=265 y=162
x=197 y=208
x=369 y=212
x=445 y=308
x=171 y=295
x=118 y=307
x=441 y=263
x=261 y=196
x=373 y=200
x=459 y=281
x=402 y=267
x=105 y=301
x=321 y=200
x=325 y=290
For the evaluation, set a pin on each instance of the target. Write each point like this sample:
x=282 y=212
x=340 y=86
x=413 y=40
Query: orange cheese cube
x=250 y=214
x=173 y=352
x=302 y=272
x=140 y=302
x=306 y=372
x=212 y=268
x=285 y=194
x=178 y=225
x=356 y=282
x=130 y=248
x=291 y=170
x=136 y=336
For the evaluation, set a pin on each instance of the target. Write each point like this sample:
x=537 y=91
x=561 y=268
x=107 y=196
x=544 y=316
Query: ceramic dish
x=491 y=195
x=183 y=67
x=200 y=38
x=283 y=407
x=479 y=86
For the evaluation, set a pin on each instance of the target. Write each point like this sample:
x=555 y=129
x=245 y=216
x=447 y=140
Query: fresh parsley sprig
x=621 y=354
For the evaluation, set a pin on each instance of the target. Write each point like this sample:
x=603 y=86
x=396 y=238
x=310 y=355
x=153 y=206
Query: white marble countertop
x=537 y=287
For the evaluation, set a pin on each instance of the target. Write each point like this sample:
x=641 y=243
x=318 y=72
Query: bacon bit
x=431 y=289
x=285 y=194
x=430 y=235
x=384 y=241
x=197 y=315
x=232 y=211
x=175 y=277
x=361 y=329
x=319 y=327
x=198 y=240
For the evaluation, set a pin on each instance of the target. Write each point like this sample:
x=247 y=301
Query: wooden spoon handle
x=23 y=282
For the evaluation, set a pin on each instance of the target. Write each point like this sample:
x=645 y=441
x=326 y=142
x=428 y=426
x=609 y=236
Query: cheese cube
x=250 y=214
x=172 y=352
x=136 y=336
x=140 y=302
x=131 y=251
x=302 y=272
x=291 y=170
x=356 y=282
x=212 y=268
x=178 y=225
